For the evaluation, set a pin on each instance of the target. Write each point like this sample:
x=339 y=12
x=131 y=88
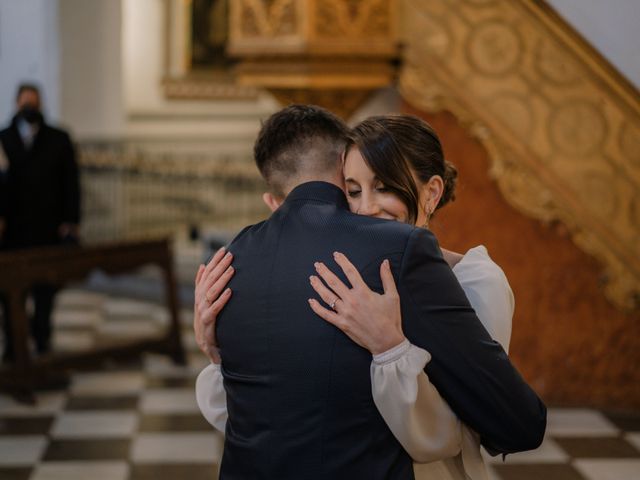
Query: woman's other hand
x=370 y=319
x=209 y=299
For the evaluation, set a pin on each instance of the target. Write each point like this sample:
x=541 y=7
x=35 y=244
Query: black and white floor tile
x=140 y=420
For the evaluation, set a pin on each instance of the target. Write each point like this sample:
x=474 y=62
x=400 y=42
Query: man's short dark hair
x=27 y=87
x=299 y=139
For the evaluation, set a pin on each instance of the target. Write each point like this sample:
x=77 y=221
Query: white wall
x=91 y=68
x=29 y=52
x=612 y=27
x=150 y=113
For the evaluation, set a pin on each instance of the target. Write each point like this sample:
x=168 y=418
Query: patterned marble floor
x=140 y=420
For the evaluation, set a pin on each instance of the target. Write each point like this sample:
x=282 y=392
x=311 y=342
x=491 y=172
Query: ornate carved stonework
x=254 y=21
x=341 y=102
x=331 y=52
x=339 y=19
x=312 y=26
x=561 y=126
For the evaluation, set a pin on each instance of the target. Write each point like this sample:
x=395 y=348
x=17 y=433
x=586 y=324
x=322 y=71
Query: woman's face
x=366 y=194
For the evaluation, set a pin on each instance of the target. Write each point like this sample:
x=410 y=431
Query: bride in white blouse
x=395 y=169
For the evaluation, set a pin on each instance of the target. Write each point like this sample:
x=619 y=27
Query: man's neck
x=338 y=181
x=274 y=201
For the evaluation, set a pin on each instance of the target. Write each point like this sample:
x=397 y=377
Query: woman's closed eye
x=382 y=189
x=354 y=193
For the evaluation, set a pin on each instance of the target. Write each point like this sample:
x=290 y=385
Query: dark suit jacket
x=40 y=190
x=298 y=389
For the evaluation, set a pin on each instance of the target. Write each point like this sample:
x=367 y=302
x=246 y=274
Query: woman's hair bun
x=450 y=180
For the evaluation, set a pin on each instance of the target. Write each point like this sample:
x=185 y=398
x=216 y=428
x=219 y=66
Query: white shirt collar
x=27 y=132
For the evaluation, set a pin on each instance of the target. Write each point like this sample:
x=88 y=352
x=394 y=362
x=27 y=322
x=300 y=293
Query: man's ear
x=272 y=202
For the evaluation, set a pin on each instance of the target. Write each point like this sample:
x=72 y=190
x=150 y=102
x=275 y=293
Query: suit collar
x=319 y=191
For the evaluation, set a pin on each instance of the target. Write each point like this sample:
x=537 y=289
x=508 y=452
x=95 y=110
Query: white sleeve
x=411 y=406
x=211 y=397
x=489 y=293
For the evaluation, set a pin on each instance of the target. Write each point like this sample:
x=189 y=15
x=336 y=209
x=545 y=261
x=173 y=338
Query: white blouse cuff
x=211 y=396
x=396 y=353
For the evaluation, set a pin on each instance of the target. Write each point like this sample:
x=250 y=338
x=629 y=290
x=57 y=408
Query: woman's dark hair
x=397 y=147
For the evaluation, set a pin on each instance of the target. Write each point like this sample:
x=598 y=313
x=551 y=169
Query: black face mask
x=31 y=115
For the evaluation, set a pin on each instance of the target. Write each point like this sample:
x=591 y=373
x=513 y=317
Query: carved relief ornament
x=330 y=52
x=561 y=127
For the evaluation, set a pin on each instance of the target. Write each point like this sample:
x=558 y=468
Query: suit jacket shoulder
x=57 y=133
x=470 y=370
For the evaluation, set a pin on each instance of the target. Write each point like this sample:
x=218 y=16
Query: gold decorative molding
x=258 y=26
x=194 y=87
x=342 y=102
x=336 y=27
x=332 y=51
x=182 y=79
x=562 y=128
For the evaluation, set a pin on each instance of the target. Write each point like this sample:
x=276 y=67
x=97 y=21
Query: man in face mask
x=39 y=198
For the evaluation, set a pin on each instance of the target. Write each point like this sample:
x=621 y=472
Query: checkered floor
x=140 y=420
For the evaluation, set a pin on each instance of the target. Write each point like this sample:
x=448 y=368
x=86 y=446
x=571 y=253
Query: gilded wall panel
x=344 y=18
x=562 y=127
x=331 y=52
x=261 y=27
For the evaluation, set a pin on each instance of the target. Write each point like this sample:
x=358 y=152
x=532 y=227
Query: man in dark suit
x=298 y=390
x=39 y=198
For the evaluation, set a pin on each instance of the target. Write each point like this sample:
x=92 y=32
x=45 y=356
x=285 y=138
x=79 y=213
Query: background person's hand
x=370 y=319
x=209 y=299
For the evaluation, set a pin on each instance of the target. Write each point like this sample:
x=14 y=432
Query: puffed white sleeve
x=211 y=397
x=487 y=288
x=411 y=406
x=489 y=293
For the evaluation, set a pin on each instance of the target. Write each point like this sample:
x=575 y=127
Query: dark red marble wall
x=569 y=342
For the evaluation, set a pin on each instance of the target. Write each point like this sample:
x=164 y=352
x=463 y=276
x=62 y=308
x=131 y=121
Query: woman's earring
x=428 y=217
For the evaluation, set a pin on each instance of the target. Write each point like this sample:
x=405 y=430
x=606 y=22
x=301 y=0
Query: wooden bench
x=21 y=269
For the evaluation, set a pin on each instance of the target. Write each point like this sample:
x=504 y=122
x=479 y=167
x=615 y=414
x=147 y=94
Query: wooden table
x=21 y=269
